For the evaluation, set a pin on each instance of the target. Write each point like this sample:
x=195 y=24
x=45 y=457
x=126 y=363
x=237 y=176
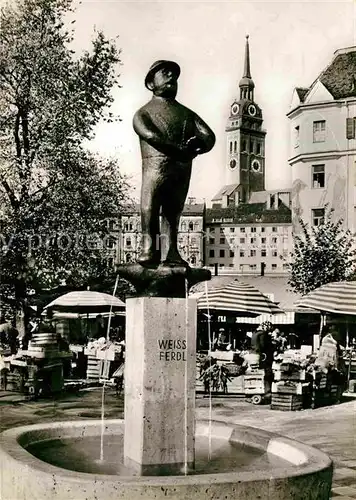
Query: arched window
x=183 y=226
x=244 y=145
x=191 y=226
x=258 y=148
x=235 y=147
x=230 y=147
x=251 y=146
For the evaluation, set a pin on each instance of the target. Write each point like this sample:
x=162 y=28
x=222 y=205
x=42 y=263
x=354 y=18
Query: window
x=211 y=241
x=318 y=176
x=222 y=253
x=253 y=241
x=230 y=147
x=319 y=131
x=274 y=253
x=253 y=229
x=274 y=267
x=128 y=242
x=263 y=241
x=251 y=146
x=350 y=128
x=242 y=240
x=296 y=136
x=263 y=253
x=232 y=253
x=110 y=243
x=222 y=230
x=244 y=145
x=242 y=253
x=212 y=230
x=111 y=224
x=285 y=266
x=222 y=241
x=252 y=253
x=253 y=267
x=193 y=241
x=232 y=229
x=258 y=148
x=235 y=147
x=318 y=216
x=274 y=229
x=211 y=253
x=274 y=240
x=191 y=226
x=263 y=229
x=242 y=229
x=232 y=241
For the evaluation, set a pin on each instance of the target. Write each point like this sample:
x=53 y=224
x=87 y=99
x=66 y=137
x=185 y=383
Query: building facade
x=323 y=144
x=191 y=239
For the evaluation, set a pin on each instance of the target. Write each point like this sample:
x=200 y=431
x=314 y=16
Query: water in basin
x=82 y=455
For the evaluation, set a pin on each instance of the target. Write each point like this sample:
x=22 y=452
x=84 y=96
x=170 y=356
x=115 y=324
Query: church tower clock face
x=233 y=163
x=252 y=110
x=235 y=109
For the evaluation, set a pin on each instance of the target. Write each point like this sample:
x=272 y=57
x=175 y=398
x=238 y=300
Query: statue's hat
x=158 y=65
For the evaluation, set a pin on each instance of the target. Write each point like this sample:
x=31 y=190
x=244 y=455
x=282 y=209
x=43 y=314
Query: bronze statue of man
x=171 y=136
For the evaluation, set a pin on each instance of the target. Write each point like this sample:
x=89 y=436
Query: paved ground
x=331 y=429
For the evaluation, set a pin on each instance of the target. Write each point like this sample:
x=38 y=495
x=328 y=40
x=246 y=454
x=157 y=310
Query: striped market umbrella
x=86 y=301
x=238 y=298
x=338 y=297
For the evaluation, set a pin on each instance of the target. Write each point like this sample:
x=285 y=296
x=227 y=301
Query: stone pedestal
x=160 y=371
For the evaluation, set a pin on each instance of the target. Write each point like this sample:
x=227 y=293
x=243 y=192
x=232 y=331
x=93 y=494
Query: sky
x=290 y=44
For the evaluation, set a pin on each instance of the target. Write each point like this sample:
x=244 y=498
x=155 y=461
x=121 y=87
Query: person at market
x=262 y=344
x=219 y=342
x=293 y=341
x=5 y=327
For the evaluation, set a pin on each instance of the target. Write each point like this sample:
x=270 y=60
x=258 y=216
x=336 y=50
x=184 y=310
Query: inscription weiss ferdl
x=172 y=350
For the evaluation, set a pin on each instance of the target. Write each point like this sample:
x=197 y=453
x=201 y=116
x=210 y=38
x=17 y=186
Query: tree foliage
x=321 y=254
x=54 y=193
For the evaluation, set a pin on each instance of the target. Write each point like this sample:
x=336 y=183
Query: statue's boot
x=149 y=258
x=174 y=259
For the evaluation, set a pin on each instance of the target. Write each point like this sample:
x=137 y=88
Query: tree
x=322 y=254
x=55 y=195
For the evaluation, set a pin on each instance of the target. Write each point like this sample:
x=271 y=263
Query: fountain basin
x=249 y=464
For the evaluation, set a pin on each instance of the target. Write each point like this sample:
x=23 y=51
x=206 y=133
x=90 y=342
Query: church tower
x=245 y=140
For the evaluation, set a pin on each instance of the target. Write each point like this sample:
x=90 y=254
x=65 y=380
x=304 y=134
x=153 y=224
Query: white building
x=323 y=144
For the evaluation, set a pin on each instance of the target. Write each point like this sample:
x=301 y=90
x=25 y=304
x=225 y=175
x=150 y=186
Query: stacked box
x=286 y=402
x=93 y=368
x=254 y=382
x=290 y=389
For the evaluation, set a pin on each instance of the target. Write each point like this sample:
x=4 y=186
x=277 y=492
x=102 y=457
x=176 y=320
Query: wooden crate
x=286 y=402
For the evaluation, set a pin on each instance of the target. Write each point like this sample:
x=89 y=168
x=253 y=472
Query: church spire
x=246 y=83
x=247 y=70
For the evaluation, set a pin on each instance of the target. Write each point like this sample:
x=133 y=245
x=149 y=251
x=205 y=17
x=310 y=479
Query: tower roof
x=246 y=80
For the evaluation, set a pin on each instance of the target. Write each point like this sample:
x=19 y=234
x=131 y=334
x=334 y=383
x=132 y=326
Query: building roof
x=250 y=213
x=301 y=93
x=226 y=190
x=339 y=77
x=189 y=209
x=193 y=209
